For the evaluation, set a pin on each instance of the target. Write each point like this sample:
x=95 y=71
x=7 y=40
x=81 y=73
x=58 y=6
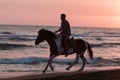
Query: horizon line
x=57 y=26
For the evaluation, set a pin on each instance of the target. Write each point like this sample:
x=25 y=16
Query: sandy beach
x=96 y=73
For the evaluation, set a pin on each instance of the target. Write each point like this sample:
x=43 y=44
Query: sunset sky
x=81 y=13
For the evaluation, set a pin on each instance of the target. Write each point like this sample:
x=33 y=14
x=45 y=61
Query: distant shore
x=105 y=73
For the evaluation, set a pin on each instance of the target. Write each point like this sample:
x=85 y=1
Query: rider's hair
x=63 y=15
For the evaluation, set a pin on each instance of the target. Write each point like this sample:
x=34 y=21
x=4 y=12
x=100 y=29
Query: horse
x=81 y=47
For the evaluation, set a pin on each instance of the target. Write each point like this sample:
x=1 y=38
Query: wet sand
x=103 y=73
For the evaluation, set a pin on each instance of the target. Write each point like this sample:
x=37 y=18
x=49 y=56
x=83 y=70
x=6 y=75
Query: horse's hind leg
x=76 y=60
x=84 y=62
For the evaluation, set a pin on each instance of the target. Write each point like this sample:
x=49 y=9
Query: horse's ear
x=43 y=29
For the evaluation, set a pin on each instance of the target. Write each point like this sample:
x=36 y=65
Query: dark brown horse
x=79 y=49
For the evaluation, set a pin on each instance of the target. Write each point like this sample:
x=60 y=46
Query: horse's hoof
x=68 y=69
x=80 y=70
x=43 y=71
x=52 y=69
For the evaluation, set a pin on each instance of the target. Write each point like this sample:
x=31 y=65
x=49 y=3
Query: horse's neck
x=51 y=42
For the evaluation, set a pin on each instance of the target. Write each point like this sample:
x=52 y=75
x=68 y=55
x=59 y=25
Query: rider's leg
x=65 y=44
x=66 y=47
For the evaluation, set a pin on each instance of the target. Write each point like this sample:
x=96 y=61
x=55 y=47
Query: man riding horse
x=81 y=46
x=65 y=32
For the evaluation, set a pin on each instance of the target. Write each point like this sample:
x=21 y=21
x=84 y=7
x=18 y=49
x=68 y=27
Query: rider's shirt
x=65 y=28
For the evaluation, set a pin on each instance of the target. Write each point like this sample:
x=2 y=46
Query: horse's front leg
x=49 y=63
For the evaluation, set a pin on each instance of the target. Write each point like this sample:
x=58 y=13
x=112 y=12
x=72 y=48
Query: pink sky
x=93 y=13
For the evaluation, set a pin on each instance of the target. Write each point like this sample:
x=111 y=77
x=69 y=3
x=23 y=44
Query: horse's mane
x=52 y=34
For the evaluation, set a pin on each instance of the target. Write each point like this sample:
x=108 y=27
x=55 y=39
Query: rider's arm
x=58 y=30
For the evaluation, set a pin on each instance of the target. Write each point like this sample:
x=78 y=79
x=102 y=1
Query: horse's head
x=44 y=34
x=40 y=37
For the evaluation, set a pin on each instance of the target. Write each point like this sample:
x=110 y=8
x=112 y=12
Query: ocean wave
x=97 y=61
x=37 y=60
x=94 y=35
x=16 y=37
x=6 y=46
x=105 y=45
x=112 y=33
x=28 y=38
x=6 y=33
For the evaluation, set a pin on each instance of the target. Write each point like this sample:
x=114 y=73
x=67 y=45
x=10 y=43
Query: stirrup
x=66 y=55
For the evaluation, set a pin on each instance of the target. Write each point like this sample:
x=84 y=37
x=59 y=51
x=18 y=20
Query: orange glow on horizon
x=100 y=13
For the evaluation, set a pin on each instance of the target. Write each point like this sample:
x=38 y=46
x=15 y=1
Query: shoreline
x=96 y=73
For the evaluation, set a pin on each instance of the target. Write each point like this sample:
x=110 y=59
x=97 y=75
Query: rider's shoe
x=66 y=53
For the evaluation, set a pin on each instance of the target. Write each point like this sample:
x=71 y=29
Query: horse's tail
x=90 y=51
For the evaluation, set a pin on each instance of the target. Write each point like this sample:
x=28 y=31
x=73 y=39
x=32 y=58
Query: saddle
x=71 y=45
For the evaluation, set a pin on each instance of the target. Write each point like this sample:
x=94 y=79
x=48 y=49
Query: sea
x=18 y=52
